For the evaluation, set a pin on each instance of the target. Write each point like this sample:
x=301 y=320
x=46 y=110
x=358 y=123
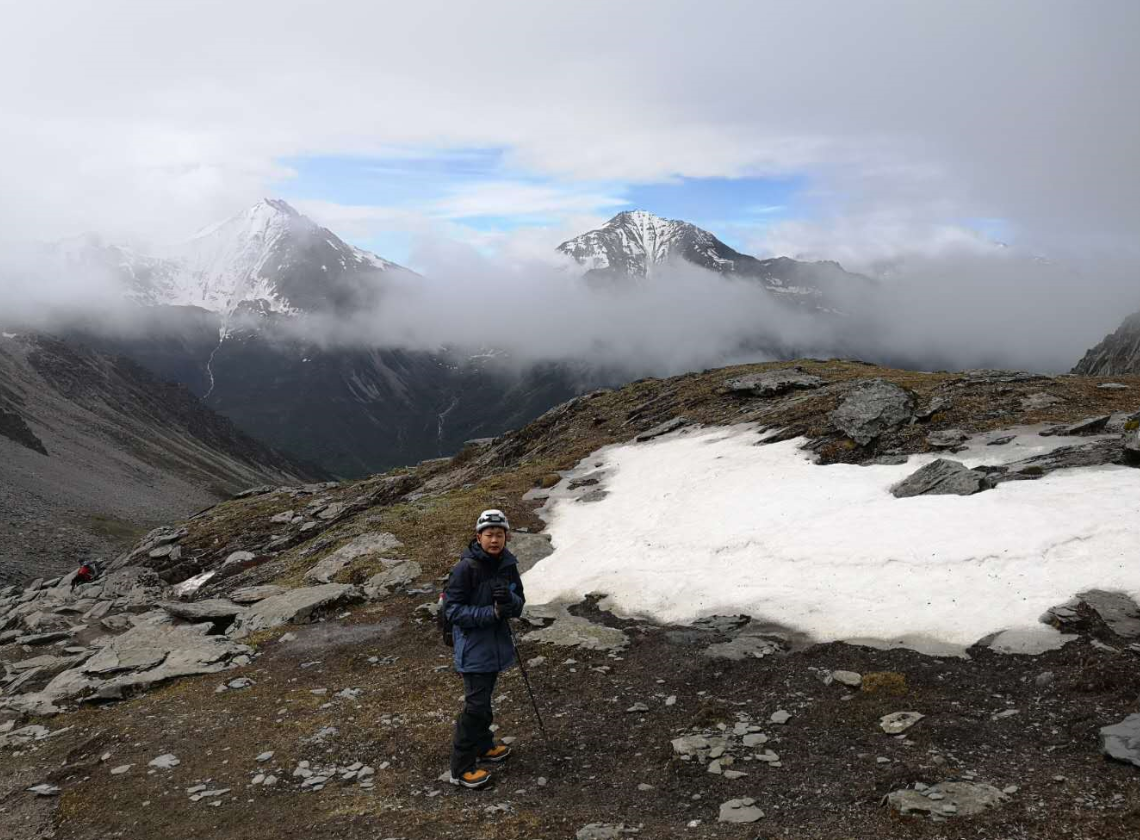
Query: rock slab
x=296 y=606
x=940 y=478
x=373 y=543
x=740 y=811
x=773 y=383
x=662 y=429
x=872 y=409
x=1121 y=741
x=948 y=799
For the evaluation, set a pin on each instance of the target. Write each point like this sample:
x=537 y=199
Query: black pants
x=473 y=726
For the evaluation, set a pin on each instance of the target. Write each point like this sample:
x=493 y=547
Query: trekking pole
x=526 y=681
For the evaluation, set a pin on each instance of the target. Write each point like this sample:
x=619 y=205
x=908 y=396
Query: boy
x=484 y=591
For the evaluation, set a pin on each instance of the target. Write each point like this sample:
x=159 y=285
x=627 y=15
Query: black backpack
x=444 y=622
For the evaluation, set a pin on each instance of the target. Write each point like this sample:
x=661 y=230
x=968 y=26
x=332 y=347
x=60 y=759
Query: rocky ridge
x=1118 y=353
x=305 y=614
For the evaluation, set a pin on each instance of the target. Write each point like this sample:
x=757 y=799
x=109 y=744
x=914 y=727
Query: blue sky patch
x=477 y=188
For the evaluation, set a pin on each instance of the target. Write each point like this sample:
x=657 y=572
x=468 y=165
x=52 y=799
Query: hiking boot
x=473 y=779
x=500 y=752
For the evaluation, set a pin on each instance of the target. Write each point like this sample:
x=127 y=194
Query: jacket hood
x=474 y=551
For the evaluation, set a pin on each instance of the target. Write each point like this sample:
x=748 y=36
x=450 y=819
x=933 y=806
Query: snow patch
x=710 y=523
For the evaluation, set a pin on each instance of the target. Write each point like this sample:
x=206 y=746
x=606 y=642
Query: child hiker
x=483 y=592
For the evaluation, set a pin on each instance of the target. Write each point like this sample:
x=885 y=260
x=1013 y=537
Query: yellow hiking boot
x=500 y=752
x=473 y=779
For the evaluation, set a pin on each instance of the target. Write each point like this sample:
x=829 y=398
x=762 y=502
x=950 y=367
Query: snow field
x=710 y=523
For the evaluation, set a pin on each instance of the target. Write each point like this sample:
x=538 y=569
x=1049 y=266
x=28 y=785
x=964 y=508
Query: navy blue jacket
x=482 y=641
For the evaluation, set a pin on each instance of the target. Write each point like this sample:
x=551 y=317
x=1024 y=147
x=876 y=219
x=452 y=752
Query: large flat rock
x=296 y=606
x=951 y=799
x=573 y=631
x=773 y=383
x=148 y=654
x=216 y=609
x=395 y=574
x=378 y=543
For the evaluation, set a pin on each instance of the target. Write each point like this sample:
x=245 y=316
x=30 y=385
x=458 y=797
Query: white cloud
x=870 y=242
x=158 y=118
x=509 y=198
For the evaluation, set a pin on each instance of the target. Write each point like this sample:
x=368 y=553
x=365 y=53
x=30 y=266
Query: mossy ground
x=830 y=787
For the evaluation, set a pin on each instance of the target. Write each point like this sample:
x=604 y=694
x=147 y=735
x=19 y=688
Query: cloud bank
x=909 y=122
x=150 y=121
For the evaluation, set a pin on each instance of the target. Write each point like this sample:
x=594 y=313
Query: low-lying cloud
x=961 y=308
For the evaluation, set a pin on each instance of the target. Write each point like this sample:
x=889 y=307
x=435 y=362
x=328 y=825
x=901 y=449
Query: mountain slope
x=636 y=244
x=1118 y=353
x=366 y=698
x=92 y=448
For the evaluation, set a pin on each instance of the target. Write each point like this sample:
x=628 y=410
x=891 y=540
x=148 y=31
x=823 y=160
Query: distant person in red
x=89 y=571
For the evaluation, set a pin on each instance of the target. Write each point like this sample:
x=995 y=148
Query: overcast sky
x=849 y=128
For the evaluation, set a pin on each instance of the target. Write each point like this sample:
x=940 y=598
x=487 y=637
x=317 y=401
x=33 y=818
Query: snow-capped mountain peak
x=634 y=241
x=234 y=261
x=268 y=258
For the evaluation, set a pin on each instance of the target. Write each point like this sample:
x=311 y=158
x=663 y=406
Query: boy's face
x=492 y=540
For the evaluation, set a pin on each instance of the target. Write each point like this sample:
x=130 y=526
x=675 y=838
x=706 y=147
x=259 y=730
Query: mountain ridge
x=635 y=243
x=1118 y=353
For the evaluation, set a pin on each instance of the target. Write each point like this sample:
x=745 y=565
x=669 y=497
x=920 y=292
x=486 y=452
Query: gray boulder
x=942 y=477
x=252 y=594
x=1095 y=453
x=665 y=428
x=947 y=439
x=296 y=606
x=740 y=811
x=1089 y=426
x=362 y=546
x=1039 y=401
x=396 y=574
x=948 y=799
x=898 y=722
x=603 y=831
x=215 y=610
x=744 y=647
x=573 y=631
x=1121 y=741
x=872 y=409
x=146 y=655
x=773 y=383
x=1115 y=609
x=1131 y=454
x=529 y=549
x=936 y=405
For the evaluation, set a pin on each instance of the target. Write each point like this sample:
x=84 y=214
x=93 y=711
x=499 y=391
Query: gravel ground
x=836 y=764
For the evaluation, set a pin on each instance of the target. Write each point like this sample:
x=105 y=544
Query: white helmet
x=492 y=519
